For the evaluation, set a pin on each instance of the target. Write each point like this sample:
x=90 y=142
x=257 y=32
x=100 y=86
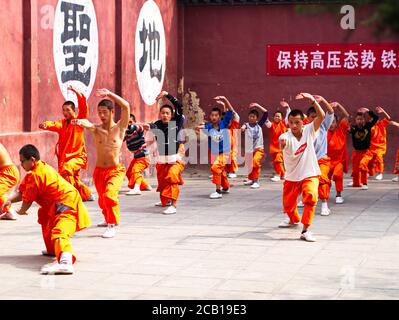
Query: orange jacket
x=71 y=141
x=44 y=185
x=379 y=136
x=336 y=148
x=276 y=130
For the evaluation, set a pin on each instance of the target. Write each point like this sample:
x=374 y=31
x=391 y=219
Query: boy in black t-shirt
x=361 y=139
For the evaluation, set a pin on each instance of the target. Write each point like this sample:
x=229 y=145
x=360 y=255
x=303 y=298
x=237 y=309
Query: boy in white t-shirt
x=302 y=168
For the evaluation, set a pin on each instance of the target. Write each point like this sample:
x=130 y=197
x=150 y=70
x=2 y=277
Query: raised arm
x=381 y=111
x=341 y=109
x=284 y=104
x=319 y=111
x=323 y=102
x=82 y=103
x=263 y=119
x=227 y=103
x=122 y=103
x=374 y=116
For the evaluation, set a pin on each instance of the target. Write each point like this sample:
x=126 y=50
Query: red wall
x=225 y=54
x=116 y=71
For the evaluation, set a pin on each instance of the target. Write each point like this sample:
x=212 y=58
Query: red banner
x=332 y=59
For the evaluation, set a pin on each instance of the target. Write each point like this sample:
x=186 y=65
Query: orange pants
x=291 y=191
x=58 y=228
x=256 y=156
x=360 y=161
x=337 y=175
x=135 y=172
x=324 y=179
x=396 y=168
x=232 y=166
x=218 y=169
x=376 y=163
x=70 y=171
x=9 y=177
x=169 y=178
x=108 y=182
x=278 y=163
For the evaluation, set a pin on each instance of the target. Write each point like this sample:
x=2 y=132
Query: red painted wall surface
x=115 y=71
x=225 y=54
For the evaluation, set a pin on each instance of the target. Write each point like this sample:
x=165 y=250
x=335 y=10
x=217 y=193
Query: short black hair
x=310 y=110
x=69 y=103
x=361 y=114
x=28 y=151
x=278 y=111
x=167 y=106
x=296 y=112
x=133 y=117
x=106 y=103
x=216 y=109
x=254 y=112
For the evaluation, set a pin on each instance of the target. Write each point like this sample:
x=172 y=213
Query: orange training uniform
x=9 y=177
x=108 y=182
x=233 y=128
x=378 y=146
x=396 y=168
x=169 y=178
x=61 y=211
x=276 y=130
x=135 y=172
x=338 y=154
x=257 y=156
x=219 y=163
x=70 y=148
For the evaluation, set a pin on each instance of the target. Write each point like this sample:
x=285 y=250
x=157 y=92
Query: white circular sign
x=75 y=46
x=150 y=52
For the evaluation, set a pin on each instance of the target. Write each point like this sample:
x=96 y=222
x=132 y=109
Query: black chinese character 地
x=154 y=39
x=74 y=31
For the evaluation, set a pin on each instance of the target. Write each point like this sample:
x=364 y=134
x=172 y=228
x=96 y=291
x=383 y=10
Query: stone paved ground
x=217 y=249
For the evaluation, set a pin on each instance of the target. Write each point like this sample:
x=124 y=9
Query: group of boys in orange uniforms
x=61 y=195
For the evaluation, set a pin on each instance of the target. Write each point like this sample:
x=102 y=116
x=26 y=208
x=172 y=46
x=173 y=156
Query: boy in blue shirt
x=219 y=147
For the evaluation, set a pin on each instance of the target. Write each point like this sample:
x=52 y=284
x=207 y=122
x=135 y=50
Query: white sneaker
x=286 y=223
x=133 y=192
x=57 y=268
x=170 y=210
x=300 y=204
x=379 y=176
x=248 y=182
x=10 y=215
x=275 y=179
x=325 y=212
x=308 y=236
x=215 y=195
x=255 y=185
x=110 y=232
x=225 y=190
x=159 y=204
x=396 y=179
x=339 y=200
x=149 y=188
x=349 y=184
x=231 y=175
x=365 y=187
